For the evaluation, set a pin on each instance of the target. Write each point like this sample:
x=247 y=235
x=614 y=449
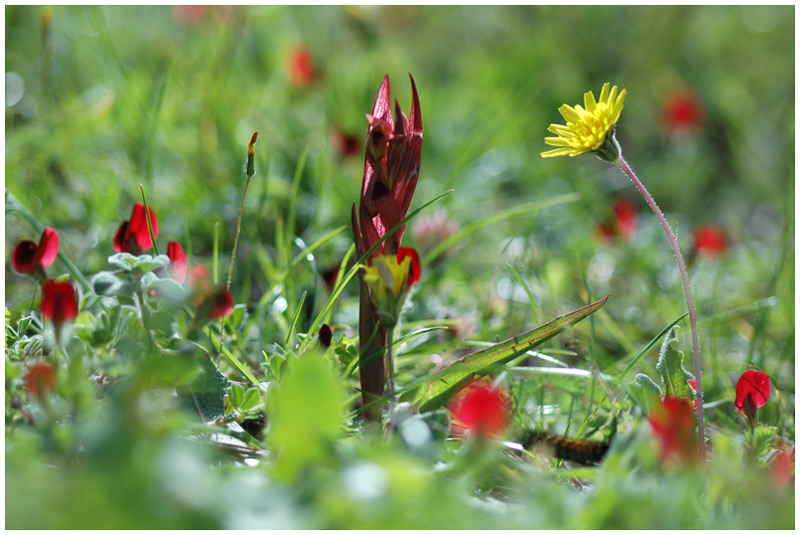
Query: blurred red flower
x=190 y=15
x=59 y=301
x=480 y=409
x=301 y=67
x=624 y=224
x=682 y=111
x=783 y=469
x=177 y=262
x=41 y=379
x=673 y=425
x=133 y=235
x=217 y=303
x=752 y=393
x=710 y=240
x=346 y=145
x=27 y=255
x=415 y=272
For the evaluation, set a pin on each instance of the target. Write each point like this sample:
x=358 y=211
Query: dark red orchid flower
x=752 y=393
x=415 y=272
x=480 y=409
x=673 y=425
x=682 y=111
x=391 y=169
x=177 y=262
x=218 y=303
x=41 y=379
x=27 y=255
x=301 y=67
x=710 y=241
x=59 y=301
x=133 y=235
x=624 y=223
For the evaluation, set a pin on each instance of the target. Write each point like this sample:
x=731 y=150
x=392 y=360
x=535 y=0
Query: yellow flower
x=388 y=282
x=588 y=129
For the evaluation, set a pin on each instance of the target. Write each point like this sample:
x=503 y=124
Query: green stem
x=149 y=223
x=673 y=240
x=390 y=363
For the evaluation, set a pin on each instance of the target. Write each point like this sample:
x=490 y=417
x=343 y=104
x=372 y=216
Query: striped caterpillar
x=568 y=449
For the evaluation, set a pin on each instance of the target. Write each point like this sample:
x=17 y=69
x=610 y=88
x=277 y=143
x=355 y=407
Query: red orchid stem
x=673 y=240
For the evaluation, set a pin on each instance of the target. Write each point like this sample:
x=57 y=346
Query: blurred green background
x=101 y=99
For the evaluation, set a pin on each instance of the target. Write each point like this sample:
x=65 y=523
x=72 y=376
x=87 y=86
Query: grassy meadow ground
x=102 y=99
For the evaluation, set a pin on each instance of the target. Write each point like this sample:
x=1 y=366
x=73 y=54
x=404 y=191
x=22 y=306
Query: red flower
x=783 y=469
x=59 y=302
x=416 y=267
x=346 y=144
x=133 y=235
x=710 y=240
x=177 y=262
x=480 y=409
x=190 y=15
x=752 y=392
x=217 y=303
x=673 y=425
x=624 y=224
x=682 y=111
x=41 y=379
x=27 y=255
x=301 y=67
x=391 y=170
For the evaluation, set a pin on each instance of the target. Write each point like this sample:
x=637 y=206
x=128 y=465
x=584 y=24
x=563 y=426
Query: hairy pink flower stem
x=673 y=240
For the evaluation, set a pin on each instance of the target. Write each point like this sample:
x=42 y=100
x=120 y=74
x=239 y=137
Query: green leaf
x=168 y=289
x=441 y=386
x=670 y=367
x=645 y=391
x=762 y=439
x=106 y=283
x=252 y=397
x=138 y=264
x=306 y=412
x=206 y=394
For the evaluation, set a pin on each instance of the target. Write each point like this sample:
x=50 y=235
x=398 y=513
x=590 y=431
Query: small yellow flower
x=588 y=129
x=388 y=283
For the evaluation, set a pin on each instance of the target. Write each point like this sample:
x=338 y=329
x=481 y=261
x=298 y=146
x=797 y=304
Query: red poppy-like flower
x=177 y=262
x=710 y=241
x=480 y=409
x=752 y=392
x=625 y=218
x=682 y=111
x=27 y=255
x=301 y=67
x=673 y=425
x=59 y=301
x=133 y=235
x=41 y=379
x=415 y=272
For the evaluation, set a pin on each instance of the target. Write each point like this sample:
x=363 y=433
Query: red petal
x=710 y=240
x=625 y=215
x=138 y=226
x=673 y=425
x=177 y=262
x=221 y=302
x=481 y=409
x=41 y=379
x=24 y=257
x=47 y=250
x=754 y=384
x=121 y=239
x=415 y=272
x=59 y=301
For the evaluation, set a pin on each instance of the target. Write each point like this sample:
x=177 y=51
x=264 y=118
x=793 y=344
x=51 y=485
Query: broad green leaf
x=306 y=412
x=670 y=366
x=106 y=283
x=441 y=386
x=206 y=393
